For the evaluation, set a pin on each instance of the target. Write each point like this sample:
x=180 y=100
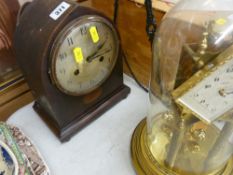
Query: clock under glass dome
x=189 y=128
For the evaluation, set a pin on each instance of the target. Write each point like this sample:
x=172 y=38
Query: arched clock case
x=71 y=58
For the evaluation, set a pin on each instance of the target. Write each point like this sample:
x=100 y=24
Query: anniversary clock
x=189 y=128
x=71 y=58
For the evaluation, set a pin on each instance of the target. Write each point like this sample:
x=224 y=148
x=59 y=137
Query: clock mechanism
x=189 y=127
x=72 y=60
x=208 y=94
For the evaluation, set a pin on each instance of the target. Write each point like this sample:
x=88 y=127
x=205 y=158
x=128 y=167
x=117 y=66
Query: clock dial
x=210 y=92
x=84 y=55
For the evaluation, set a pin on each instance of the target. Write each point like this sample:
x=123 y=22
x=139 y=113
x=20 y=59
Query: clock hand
x=90 y=59
x=98 y=48
x=224 y=92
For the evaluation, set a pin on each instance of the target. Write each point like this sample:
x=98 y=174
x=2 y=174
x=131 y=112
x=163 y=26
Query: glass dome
x=190 y=121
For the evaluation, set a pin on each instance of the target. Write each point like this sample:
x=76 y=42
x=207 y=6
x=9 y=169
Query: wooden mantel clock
x=71 y=58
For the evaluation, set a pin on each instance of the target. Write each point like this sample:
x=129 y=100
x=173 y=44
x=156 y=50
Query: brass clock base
x=146 y=164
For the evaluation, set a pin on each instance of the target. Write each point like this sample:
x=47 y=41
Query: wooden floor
x=131 y=25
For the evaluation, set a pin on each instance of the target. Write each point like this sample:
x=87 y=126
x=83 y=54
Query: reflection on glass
x=191 y=130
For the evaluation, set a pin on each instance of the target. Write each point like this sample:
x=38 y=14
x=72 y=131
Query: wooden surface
x=131 y=24
x=158 y=5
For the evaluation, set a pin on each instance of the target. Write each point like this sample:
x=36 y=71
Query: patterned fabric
x=28 y=158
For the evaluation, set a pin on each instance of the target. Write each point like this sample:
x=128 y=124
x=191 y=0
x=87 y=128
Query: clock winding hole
x=101 y=59
x=76 y=72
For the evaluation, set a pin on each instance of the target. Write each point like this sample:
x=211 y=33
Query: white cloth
x=102 y=148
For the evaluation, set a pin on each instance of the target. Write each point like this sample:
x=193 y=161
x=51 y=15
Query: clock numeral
x=207 y=86
x=202 y=101
x=70 y=41
x=83 y=30
x=229 y=70
x=62 y=71
x=62 y=56
x=216 y=79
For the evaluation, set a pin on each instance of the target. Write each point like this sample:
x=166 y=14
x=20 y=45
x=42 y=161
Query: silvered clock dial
x=83 y=55
x=209 y=93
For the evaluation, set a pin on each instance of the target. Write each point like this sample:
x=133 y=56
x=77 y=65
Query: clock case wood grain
x=34 y=37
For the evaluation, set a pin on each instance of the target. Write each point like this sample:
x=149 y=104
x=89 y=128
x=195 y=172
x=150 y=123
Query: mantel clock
x=71 y=57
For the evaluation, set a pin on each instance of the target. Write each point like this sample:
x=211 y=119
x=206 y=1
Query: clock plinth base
x=144 y=162
x=66 y=132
